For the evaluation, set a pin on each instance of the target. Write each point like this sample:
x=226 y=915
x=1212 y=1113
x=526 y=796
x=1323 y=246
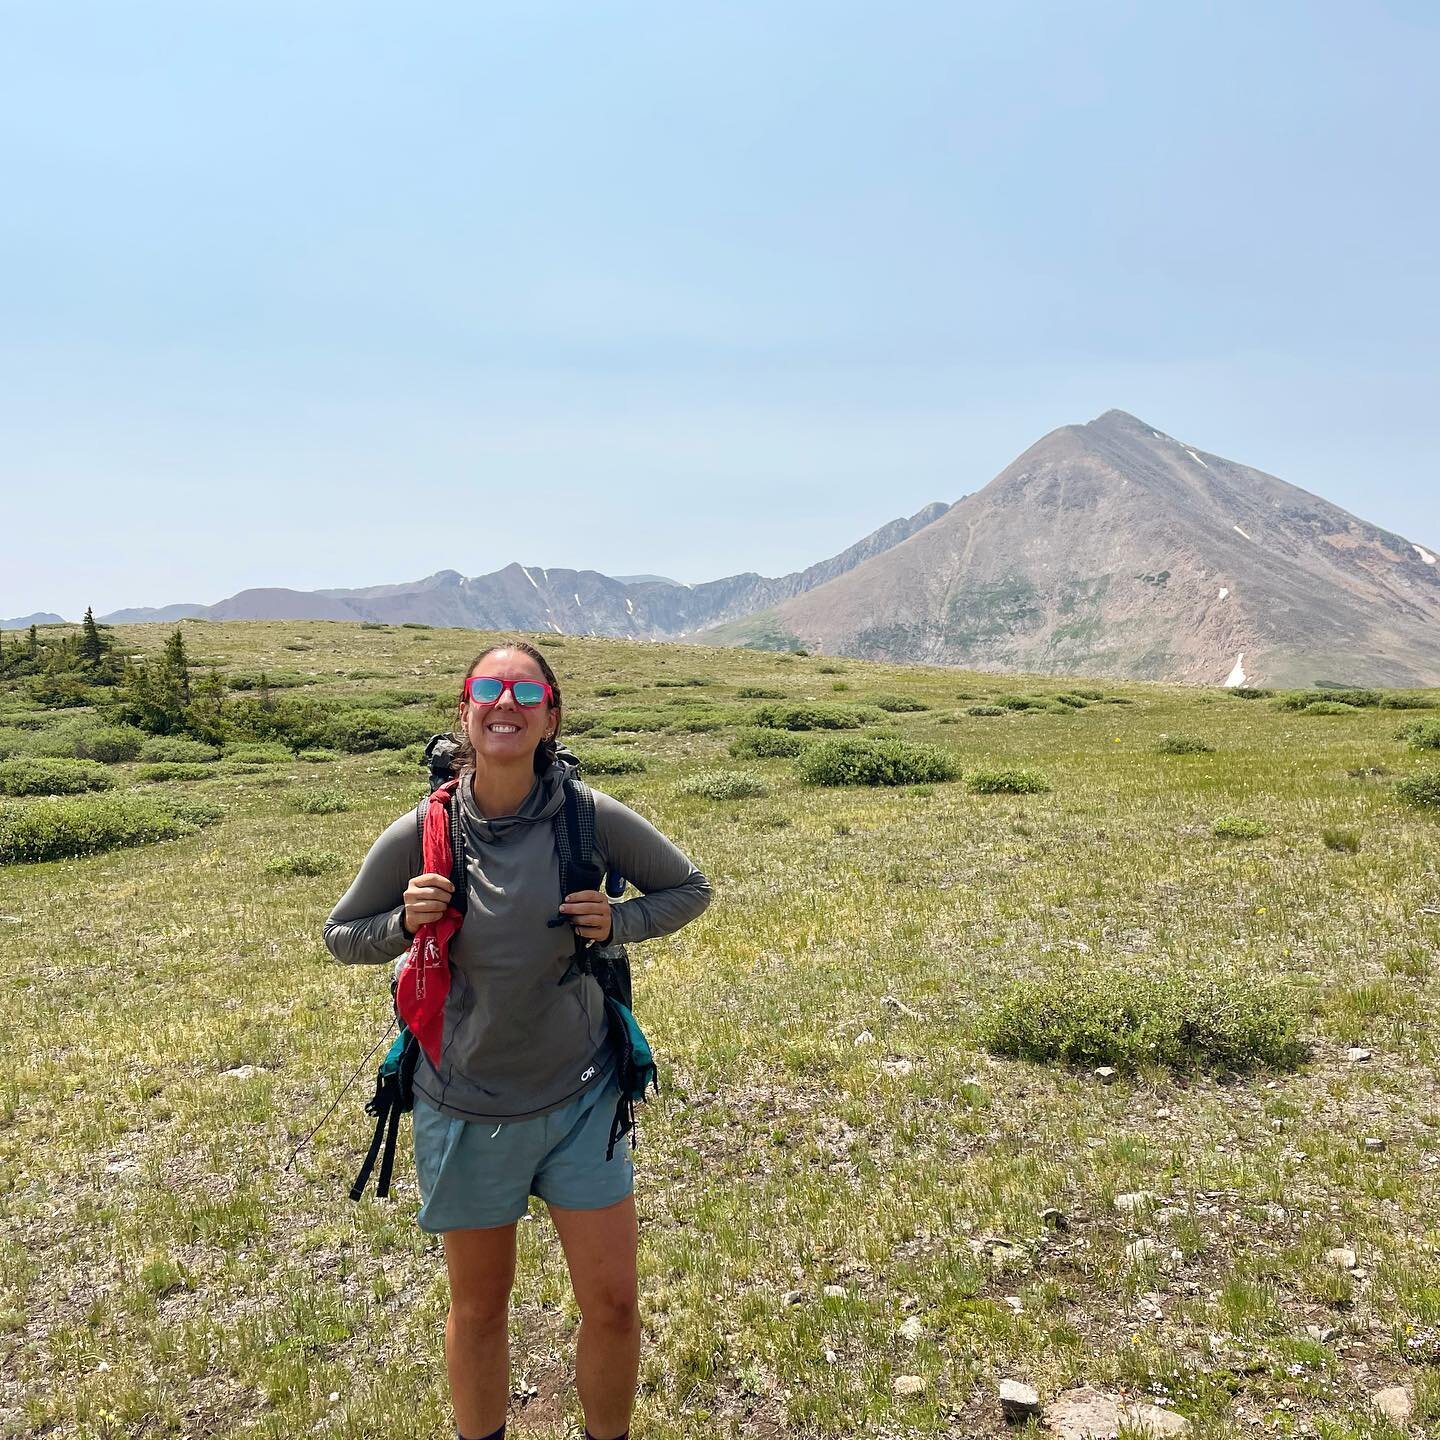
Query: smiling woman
x=515 y=1098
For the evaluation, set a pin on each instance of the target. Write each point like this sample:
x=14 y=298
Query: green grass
x=833 y=1114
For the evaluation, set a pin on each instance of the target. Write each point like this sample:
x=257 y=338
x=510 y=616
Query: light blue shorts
x=475 y=1174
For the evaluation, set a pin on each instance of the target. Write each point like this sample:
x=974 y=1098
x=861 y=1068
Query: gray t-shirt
x=523 y=1032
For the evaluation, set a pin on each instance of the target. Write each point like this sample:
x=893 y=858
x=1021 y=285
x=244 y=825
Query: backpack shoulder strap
x=574 y=826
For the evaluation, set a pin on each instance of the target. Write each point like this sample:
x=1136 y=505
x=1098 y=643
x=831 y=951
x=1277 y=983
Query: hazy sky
x=319 y=294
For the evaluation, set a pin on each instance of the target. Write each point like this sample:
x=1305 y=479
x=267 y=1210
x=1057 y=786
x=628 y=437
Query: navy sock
x=493 y=1435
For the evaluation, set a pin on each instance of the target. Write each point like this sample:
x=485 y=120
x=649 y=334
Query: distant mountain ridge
x=519 y=597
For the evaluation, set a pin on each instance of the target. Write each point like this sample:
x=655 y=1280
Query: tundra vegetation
x=1122 y=1073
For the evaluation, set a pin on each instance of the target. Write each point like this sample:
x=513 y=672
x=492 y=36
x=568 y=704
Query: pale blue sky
x=320 y=294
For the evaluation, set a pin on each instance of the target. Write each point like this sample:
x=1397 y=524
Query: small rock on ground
x=1134 y=1200
x=1357 y=1054
x=1395 y=1403
x=1018 y=1401
x=1140 y=1250
x=1086 y=1414
x=909 y=1385
x=834 y=1292
x=912 y=1329
x=1341 y=1259
x=1105 y=1074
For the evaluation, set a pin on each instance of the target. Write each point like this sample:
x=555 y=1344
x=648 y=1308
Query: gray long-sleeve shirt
x=522 y=1032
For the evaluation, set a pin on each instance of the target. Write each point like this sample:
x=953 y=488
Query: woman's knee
x=481 y=1313
x=612 y=1308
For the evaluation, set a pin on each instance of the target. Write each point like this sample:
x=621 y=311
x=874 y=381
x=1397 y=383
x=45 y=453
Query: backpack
x=609 y=964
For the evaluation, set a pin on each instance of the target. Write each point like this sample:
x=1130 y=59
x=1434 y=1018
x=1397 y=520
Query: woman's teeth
x=503 y=729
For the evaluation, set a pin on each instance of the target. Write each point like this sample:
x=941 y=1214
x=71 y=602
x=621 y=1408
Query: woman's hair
x=545 y=750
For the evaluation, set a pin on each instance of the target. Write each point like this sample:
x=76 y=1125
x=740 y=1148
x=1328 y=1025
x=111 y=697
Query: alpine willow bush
x=806 y=717
x=1422 y=734
x=725 y=785
x=875 y=762
x=1184 y=745
x=760 y=744
x=1193 y=1019
x=28 y=776
x=1422 y=789
x=84 y=825
x=177 y=750
x=611 y=762
x=1008 y=782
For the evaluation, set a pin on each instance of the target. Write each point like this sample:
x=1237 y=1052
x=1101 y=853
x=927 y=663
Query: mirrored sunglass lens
x=527 y=692
x=485 y=692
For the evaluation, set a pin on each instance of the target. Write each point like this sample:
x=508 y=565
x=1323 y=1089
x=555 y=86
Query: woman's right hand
x=426 y=897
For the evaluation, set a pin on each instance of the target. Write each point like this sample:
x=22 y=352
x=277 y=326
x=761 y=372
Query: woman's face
x=505 y=731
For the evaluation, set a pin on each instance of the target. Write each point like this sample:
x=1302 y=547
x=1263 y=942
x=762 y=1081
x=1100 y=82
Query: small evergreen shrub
x=611 y=762
x=1008 y=782
x=177 y=750
x=85 y=740
x=1422 y=789
x=725 y=785
x=1422 y=735
x=166 y=772
x=32 y=776
x=57 y=829
x=1073 y=699
x=987 y=710
x=259 y=754
x=900 y=704
x=806 y=717
x=326 y=800
x=875 y=762
x=1237 y=827
x=759 y=692
x=637 y=721
x=1185 y=1020
x=763 y=744
x=303 y=863
x=1184 y=745
x=838 y=685
x=358 y=732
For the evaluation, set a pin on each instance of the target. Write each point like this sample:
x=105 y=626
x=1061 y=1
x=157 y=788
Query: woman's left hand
x=589 y=912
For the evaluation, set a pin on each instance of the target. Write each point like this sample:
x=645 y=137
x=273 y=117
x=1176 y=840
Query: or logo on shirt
x=588 y=1075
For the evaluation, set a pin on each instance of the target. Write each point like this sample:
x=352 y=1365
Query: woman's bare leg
x=600 y=1248
x=477 y=1338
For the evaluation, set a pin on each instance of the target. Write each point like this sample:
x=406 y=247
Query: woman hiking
x=520 y=1098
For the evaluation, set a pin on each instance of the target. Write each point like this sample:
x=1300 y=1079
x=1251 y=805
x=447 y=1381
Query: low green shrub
x=302 y=863
x=1422 y=789
x=1073 y=699
x=806 y=717
x=1329 y=707
x=1250 y=692
x=699 y=724
x=324 y=800
x=839 y=685
x=760 y=744
x=1304 y=699
x=1088 y=693
x=725 y=785
x=1422 y=734
x=176 y=749
x=34 y=776
x=167 y=771
x=1020 y=702
x=875 y=762
x=359 y=732
x=1408 y=702
x=56 y=829
x=611 y=762
x=1184 y=745
x=759 y=692
x=830 y=669
x=1184 y=1020
x=320 y=757
x=1346 y=841
x=81 y=739
x=899 y=704
x=637 y=721
x=1238 y=827
x=987 y=710
x=1116 y=700
x=256 y=753
x=1008 y=782
x=607 y=691
x=690 y=681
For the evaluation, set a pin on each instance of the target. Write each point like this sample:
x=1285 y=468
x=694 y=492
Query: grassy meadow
x=854 y=1176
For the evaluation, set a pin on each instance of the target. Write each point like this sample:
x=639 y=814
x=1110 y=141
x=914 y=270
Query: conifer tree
x=34 y=643
x=176 y=665
x=92 y=647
